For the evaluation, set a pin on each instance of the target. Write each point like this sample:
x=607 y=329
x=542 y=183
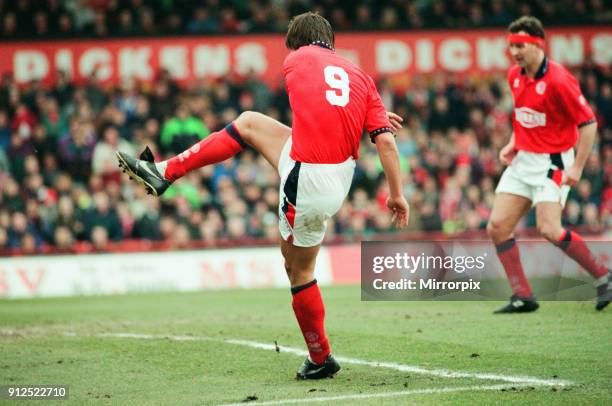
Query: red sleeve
x=288 y=64
x=572 y=102
x=376 y=121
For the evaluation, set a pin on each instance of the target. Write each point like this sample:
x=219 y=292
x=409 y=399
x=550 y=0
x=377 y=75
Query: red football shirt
x=548 y=109
x=332 y=101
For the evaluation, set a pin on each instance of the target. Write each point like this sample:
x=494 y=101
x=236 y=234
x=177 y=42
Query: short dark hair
x=529 y=24
x=306 y=28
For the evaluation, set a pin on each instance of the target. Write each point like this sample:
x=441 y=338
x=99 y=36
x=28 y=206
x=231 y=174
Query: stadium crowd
x=121 y=18
x=61 y=188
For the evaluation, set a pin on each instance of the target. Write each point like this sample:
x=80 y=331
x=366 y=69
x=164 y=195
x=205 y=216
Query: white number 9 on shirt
x=337 y=79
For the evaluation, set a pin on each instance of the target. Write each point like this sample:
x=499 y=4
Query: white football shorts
x=309 y=195
x=537 y=176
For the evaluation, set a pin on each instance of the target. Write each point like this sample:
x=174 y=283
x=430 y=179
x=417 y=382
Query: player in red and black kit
x=333 y=101
x=551 y=117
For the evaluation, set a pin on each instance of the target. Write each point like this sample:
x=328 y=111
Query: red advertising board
x=192 y=58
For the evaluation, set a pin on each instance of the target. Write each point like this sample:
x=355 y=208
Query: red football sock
x=310 y=313
x=510 y=258
x=576 y=249
x=217 y=147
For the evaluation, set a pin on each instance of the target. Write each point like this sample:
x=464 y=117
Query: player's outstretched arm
x=389 y=157
x=572 y=175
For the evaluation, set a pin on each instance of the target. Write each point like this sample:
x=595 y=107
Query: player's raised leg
x=263 y=133
x=548 y=216
x=508 y=209
x=309 y=311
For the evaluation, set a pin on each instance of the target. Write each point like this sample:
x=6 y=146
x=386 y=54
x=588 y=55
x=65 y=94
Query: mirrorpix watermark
x=405 y=262
x=468 y=270
x=417 y=270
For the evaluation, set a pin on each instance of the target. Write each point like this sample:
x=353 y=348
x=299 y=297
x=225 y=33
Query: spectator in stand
x=29 y=244
x=173 y=23
x=497 y=15
x=363 y=18
x=52 y=119
x=203 y=22
x=94 y=94
x=63 y=89
x=99 y=239
x=162 y=100
x=148 y=224
x=23 y=121
x=228 y=23
x=260 y=21
x=22 y=230
x=9 y=26
x=126 y=25
x=146 y=17
x=65 y=26
x=76 y=149
x=19 y=150
x=66 y=216
x=103 y=159
x=104 y=216
x=11 y=198
x=41 y=24
x=63 y=240
x=438 y=16
x=389 y=19
x=182 y=131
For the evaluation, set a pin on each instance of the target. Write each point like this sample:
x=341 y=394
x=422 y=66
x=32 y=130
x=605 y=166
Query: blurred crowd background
x=61 y=189
x=121 y=18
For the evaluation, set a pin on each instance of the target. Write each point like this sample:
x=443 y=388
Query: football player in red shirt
x=551 y=117
x=332 y=101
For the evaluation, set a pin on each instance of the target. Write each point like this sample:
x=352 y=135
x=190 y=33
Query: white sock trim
x=161 y=168
x=602 y=280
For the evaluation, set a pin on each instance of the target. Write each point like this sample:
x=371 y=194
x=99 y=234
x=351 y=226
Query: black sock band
x=565 y=241
x=233 y=132
x=506 y=245
x=296 y=289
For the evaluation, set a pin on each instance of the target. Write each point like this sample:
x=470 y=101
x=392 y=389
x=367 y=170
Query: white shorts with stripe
x=309 y=195
x=537 y=176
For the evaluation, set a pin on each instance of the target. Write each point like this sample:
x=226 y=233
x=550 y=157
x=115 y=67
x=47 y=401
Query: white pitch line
x=357 y=396
x=443 y=373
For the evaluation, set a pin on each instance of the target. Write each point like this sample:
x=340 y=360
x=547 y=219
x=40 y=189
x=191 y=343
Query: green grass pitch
x=77 y=341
